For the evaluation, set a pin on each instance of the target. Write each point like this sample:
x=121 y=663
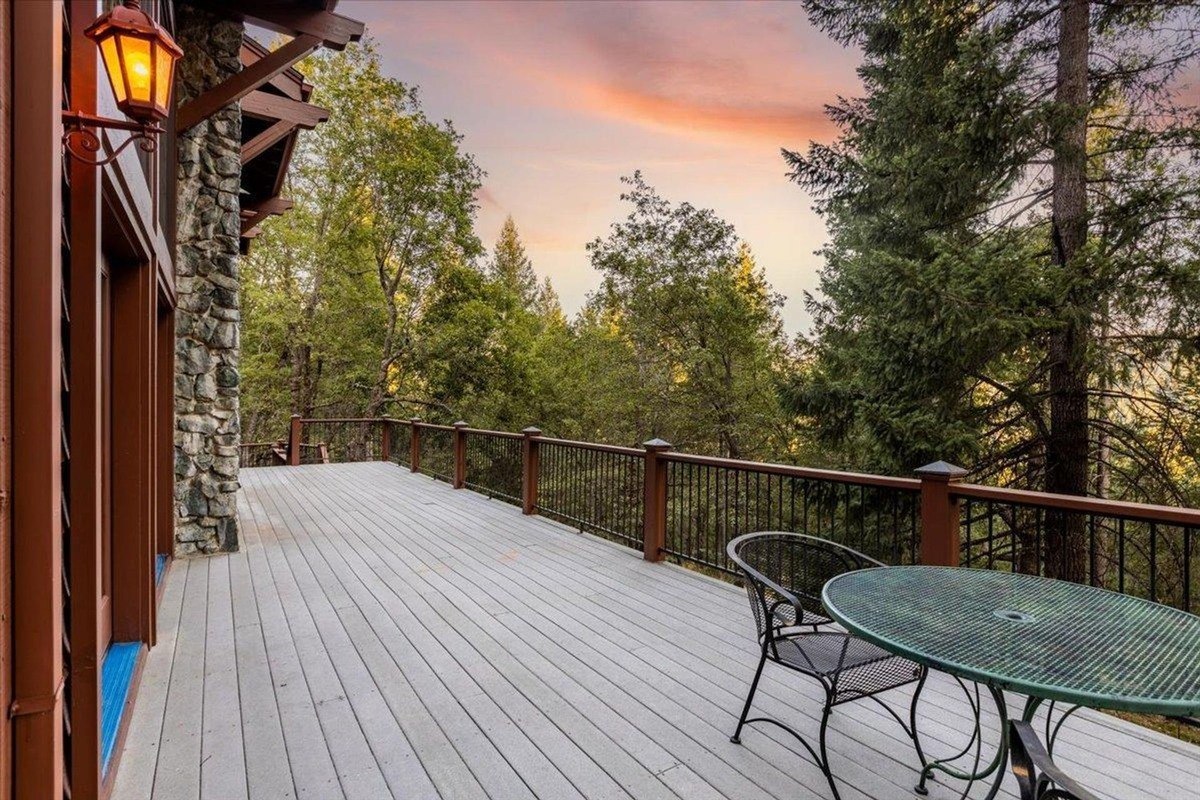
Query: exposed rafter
x=289 y=83
x=292 y=19
x=273 y=107
x=243 y=83
x=252 y=216
x=256 y=146
x=271 y=91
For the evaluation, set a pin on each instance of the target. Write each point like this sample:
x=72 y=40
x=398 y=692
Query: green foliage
x=704 y=349
x=333 y=291
x=372 y=297
x=944 y=292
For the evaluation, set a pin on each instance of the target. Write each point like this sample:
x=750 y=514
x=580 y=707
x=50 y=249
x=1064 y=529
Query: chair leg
x=737 y=734
x=824 y=761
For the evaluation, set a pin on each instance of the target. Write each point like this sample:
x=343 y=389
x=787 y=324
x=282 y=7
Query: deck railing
x=712 y=500
x=596 y=488
x=686 y=508
x=262 y=454
x=1143 y=550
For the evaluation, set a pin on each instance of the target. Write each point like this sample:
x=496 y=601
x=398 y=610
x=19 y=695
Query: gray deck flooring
x=382 y=635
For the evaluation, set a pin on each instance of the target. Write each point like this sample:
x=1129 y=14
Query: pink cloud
x=487 y=199
x=747 y=71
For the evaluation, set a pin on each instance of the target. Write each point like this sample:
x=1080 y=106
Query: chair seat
x=864 y=670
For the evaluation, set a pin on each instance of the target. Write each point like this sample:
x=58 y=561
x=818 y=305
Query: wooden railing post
x=414 y=447
x=529 y=470
x=940 y=514
x=460 y=454
x=293 y=452
x=385 y=441
x=654 y=533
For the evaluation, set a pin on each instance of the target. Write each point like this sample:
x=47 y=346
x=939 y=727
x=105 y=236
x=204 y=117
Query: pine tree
x=1015 y=209
x=511 y=266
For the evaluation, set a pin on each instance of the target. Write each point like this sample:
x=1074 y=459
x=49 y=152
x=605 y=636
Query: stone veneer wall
x=207 y=430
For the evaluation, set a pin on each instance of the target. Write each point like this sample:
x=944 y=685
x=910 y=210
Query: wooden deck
x=382 y=635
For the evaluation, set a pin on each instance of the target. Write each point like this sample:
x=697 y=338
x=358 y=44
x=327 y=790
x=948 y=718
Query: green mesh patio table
x=1053 y=641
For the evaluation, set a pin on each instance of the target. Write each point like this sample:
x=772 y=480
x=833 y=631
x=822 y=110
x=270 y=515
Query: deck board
x=382 y=635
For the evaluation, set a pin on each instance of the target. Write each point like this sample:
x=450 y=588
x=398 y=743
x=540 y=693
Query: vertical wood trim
x=36 y=410
x=6 y=742
x=165 y=430
x=86 y=432
x=134 y=320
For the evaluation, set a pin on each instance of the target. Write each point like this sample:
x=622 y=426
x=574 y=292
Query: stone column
x=207 y=429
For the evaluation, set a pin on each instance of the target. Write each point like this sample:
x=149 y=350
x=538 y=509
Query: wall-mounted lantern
x=139 y=60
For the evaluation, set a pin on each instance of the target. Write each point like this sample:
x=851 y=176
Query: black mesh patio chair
x=784 y=575
x=1037 y=775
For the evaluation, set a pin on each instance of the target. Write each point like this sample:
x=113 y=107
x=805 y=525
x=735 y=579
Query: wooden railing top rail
x=429 y=426
x=498 y=434
x=833 y=476
x=600 y=448
x=1186 y=517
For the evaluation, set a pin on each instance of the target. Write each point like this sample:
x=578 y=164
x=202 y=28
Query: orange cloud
x=777 y=123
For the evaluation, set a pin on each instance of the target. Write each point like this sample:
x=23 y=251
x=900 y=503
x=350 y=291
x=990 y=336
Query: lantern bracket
x=80 y=141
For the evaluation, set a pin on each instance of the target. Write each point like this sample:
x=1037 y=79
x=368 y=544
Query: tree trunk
x=380 y=390
x=1067 y=448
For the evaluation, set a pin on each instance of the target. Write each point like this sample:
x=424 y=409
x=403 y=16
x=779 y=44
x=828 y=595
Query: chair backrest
x=1038 y=777
x=785 y=573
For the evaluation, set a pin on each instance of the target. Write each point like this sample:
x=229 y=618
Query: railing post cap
x=532 y=431
x=295 y=416
x=657 y=444
x=941 y=471
x=459 y=424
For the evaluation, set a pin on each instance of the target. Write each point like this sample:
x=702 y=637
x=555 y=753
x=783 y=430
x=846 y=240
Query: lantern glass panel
x=139 y=67
x=164 y=67
x=112 y=65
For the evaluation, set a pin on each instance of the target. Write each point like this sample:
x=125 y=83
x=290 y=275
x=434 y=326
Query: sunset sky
x=558 y=100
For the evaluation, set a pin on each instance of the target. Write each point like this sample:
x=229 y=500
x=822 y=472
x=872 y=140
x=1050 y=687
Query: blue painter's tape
x=116 y=676
x=160 y=566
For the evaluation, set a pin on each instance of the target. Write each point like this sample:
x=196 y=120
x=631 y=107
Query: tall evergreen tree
x=511 y=266
x=1015 y=217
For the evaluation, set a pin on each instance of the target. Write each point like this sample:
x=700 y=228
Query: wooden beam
x=289 y=82
x=37 y=414
x=243 y=83
x=334 y=30
x=272 y=205
x=259 y=144
x=273 y=107
x=86 y=476
x=253 y=215
x=6 y=244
